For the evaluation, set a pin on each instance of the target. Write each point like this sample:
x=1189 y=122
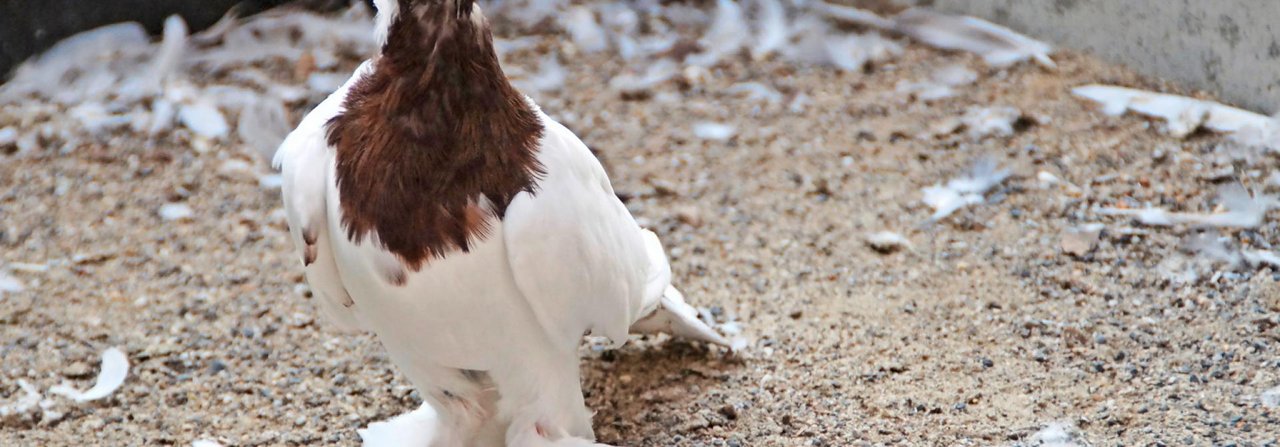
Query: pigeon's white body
x=490 y=335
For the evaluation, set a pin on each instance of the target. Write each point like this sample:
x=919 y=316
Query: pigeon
x=478 y=239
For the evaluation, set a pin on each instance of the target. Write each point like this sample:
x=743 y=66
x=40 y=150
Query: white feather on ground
x=9 y=284
x=998 y=46
x=585 y=32
x=1055 y=434
x=887 y=241
x=1243 y=210
x=1183 y=115
x=755 y=91
x=708 y=130
x=964 y=191
x=728 y=34
x=263 y=125
x=655 y=74
x=771 y=28
x=29 y=401
x=115 y=367
x=982 y=122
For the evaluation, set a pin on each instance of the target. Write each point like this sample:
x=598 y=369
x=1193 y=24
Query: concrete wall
x=1230 y=47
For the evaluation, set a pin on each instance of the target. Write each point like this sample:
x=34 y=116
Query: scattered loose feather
x=654 y=75
x=1055 y=434
x=205 y=443
x=728 y=34
x=998 y=46
x=771 y=29
x=115 y=367
x=263 y=125
x=708 y=130
x=586 y=33
x=1183 y=115
x=9 y=284
x=175 y=211
x=887 y=241
x=416 y=427
x=964 y=191
x=1243 y=210
x=204 y=119
x=982 y=122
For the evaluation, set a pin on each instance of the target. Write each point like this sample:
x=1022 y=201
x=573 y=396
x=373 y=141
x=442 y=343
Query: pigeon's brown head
x=434 y=143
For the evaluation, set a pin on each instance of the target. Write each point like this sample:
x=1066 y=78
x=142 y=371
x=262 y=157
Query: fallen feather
x=29 y=401
x=853 y=15
x=924 y=91
x=854 y=52
x=416 y=427
x=204 y=119
x=115 y=367
x=585 y=32
x=173 y=47
x=964 y=191
x=1183 y=115
x=1258 y=258
x=772 y=29
x=175 y=211
x=998 y=46
x=708 y=130
x=755 y=91
x=9 y=284
x=1055 y=434
x=954 y=75
x=982 y=122
x=1244 y=210
x=205 y=443
x=887 y=242
x=263 y=125
x=657 y=73
x=727 y=35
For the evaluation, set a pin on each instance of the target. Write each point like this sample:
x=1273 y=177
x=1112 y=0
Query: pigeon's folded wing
x=306 y=162
x=577 y=255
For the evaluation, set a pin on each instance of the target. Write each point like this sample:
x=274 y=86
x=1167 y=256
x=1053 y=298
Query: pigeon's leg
x=543 y=400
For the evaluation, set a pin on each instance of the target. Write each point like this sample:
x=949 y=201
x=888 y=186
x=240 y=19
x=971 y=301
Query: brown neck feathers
x=435 y=142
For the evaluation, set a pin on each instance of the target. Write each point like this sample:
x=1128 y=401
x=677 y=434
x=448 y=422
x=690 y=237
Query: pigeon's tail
x=667 y=312
x=676 y=317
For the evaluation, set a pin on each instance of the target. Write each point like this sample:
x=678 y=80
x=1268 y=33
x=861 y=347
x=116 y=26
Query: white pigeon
x=435 y=206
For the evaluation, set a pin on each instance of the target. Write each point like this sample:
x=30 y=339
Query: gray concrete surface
x=1229 y=47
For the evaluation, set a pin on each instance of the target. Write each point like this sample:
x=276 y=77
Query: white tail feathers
x=664 y=309
x=678 y=318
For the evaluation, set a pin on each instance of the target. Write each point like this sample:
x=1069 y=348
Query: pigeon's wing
x=576 y=253
x=582 y=261
x=306 y=163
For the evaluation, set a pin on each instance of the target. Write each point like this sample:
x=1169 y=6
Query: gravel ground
x=979 y=334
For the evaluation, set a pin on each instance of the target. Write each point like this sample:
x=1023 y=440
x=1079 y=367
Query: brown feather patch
x=435 y=129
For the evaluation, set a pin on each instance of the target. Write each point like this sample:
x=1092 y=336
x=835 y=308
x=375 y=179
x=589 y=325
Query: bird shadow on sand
x=666 y=386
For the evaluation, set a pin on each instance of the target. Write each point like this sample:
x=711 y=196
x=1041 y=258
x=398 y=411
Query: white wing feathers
x=580 y=259
x=306 y=164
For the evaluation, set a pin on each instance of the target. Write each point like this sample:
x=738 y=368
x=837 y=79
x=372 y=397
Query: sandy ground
x=979 y=334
